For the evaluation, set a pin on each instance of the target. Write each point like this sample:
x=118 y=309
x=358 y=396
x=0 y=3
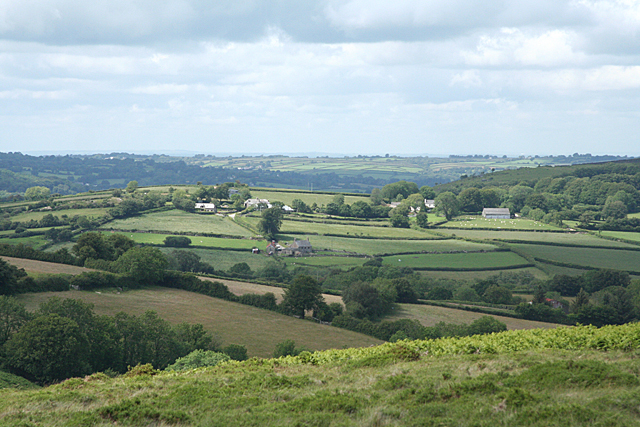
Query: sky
x=406 y=77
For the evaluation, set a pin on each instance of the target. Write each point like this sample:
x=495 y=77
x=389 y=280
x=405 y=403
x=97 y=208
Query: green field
x=473 y=221
x=477 y=260
x=346 y=230
x=308 y=198
x=581 y=238
x=259 y=330
x=382 y=246
x=325 y=261
x=33 y=241
x=214 y=242
x=626 y=235
x=37 y=215
x=479 y=275
x=179 y=221
x=223 y=260
x=429 y=315
x=588 y=257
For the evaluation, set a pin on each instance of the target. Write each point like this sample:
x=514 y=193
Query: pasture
x=476 y=260
x=214 y=242
x=475 y=221
x=382 y=246
x=37 y=215
x=588 y=257
x=429 y=315
x=259 y=330
x=33 y=241
x=309 y=198
x=224 y=260
x=568 y=238
x=347 y=230
x=177 y=221
x=325 y=261
x=480 y=275
x=43 y=267
x=626 y=235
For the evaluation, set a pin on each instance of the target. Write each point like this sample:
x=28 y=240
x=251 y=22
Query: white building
x=206 y=207
x=496 y=213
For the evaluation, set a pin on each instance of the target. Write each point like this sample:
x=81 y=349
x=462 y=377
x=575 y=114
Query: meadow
x=177 y=221
x=588 y=257
x=471 y=261
x=429 y=315
x=37 y=215
x=213 y=242
x=233 y=323
x=567 y=238
x=221 y=259
x=33 y=241
x=480 y=275
x=43 y=267
x=626 y=235
x=382 y=246
x=475 y=221
x=309 y=198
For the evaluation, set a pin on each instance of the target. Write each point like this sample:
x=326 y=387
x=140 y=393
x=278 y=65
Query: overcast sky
x=331 y=76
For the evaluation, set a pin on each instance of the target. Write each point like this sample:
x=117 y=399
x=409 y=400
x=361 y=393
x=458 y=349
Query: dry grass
x=259 y=330
x=241 y=288
x=43 y=267
x=429 y=315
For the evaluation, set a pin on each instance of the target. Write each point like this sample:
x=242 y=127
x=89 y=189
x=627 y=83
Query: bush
x=286 y=348
x=177 y=241
x=236 y=352
x=198 y=359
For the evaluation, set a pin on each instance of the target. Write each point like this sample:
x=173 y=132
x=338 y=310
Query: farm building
x=256 y=202
x=206 y=207
x=496 y=213
x=298 y=247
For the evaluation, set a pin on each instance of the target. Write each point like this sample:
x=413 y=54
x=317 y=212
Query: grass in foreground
x=259 y=330
x=531 y=378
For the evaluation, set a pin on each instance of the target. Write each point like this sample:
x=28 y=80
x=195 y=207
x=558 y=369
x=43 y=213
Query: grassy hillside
x=259 y=330
x=563 y=377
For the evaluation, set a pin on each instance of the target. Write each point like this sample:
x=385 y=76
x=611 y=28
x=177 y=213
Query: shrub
x=198 y=359
x=177 y=241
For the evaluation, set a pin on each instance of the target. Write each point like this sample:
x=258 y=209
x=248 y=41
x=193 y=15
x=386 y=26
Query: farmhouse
x=298 y=247
x=206 y=207
x=430 y=204
x=249 y=203
x=496 y=213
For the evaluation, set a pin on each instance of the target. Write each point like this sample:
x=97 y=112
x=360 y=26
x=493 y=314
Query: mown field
x=513 y=224
x=477 y=260
x=43 y=267
x=179 y=221
x=259 y=330
x=588 y=257
x=429 y=315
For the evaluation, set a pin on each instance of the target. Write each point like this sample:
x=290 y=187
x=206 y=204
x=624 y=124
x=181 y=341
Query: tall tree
x=447 y=204
x=270 y=222
x=303 y=294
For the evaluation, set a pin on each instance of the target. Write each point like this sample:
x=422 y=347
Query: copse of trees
x=65 y=338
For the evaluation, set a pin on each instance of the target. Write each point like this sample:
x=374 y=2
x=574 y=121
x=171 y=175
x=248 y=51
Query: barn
x=496 y=213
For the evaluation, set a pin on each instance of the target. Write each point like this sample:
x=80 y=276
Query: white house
x=206 y=207
x=255 y=202
x=496 y=213
x=430 y=203
x=288 y=209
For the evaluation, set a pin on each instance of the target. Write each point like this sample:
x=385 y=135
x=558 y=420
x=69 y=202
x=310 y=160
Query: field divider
x=579 y=266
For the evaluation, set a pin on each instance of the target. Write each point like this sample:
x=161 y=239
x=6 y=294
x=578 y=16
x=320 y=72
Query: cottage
x=430 y=203
x=288 y=209
x=206 y=207
x=298 y=248
x=254 y=203
x=496 y=213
